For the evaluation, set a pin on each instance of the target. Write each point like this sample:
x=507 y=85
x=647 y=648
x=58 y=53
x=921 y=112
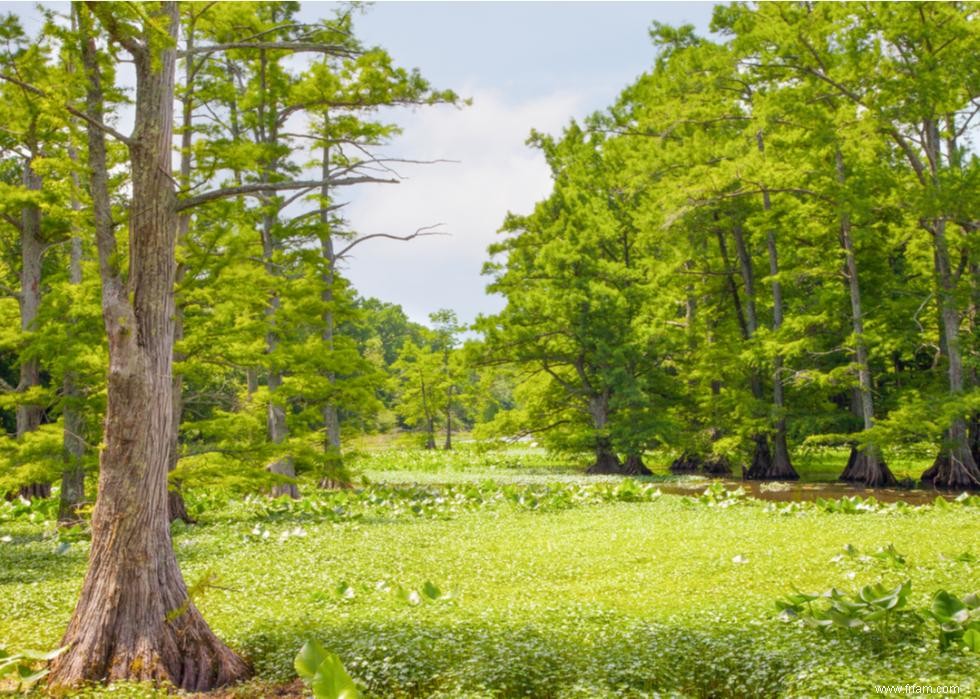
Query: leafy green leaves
x=324 y=672
x=874 y=609
x=958 y=619
x=22 y=665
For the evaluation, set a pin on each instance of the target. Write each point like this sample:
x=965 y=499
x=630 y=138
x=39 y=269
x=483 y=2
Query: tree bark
x=761 y=462
x=73 y=475
x=687 y=462
x=268 y=132
x=331 y=418
x=780 y=468
x=865 y=466
x=634 y=466
x=430 y=439
x=134 y=619
x=176 y=506
x=29 y=415
x=606 y=461
x=955 y=467
x=449 y=419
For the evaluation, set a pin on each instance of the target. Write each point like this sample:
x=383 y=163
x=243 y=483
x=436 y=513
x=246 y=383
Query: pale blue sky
x=525 y=65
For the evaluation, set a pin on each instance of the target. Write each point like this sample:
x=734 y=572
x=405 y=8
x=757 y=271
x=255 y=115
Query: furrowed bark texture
x=134 y=620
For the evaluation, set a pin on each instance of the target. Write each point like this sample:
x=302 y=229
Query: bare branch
x=421 y=232
x=293 y=46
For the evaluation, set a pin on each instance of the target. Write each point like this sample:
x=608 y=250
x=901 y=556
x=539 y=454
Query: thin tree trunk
x=175 y=500
x=73 y=475
x=781 y=468
x=29 y=415
x=331 y=418
x=761 y=463
x=430 y=441
x=866 y=465
x=278 y=431
x=449 y=419
x=134 y=619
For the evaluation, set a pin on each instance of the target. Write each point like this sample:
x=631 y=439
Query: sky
x=534 y=65
x=524 y=65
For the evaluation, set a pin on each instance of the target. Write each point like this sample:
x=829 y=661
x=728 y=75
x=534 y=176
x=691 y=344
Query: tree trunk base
x=974 y=437
x=38 y=491
x=767 y=468
x=72 y=496
x=953 y=470
x=288 y=489
x=717 y=466
x=686 y=463
x=177 y=508
x=606 y=463
x=866 y=467
x=634 y=466
x=334 y=484
x=185 y=653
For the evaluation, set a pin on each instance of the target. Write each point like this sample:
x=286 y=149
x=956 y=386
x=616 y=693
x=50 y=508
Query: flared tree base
x=35 y=491
x=767 y=466
x=634 y=466
x=606 y=463
x=686 y=463
x=953 y=470
x=717 y=466
x=866 y=467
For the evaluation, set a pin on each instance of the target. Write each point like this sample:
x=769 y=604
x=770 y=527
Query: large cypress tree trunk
x=955 y=467
x=606 y=460
x=865 y=466
x=134 y=620
x=29 y=415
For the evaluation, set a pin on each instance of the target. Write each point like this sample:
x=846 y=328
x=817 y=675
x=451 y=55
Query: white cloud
x=497 y=173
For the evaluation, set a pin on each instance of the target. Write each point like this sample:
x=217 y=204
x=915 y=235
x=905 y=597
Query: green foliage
x=875 y=610
x=958 y=619
x=23 y=665
x=324 y=672
x=561 y=585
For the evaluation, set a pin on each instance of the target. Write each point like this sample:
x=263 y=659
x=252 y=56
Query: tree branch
x=424 y=231
x=255 y=188
x=71 y=110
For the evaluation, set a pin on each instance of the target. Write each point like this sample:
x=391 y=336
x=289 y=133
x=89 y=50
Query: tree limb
x=255 y=188
x=424 y=231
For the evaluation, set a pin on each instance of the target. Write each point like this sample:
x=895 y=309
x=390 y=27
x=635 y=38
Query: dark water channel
x=797 y=491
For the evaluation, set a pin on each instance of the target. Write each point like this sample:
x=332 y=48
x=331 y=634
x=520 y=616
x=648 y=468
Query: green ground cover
x=580 y=587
